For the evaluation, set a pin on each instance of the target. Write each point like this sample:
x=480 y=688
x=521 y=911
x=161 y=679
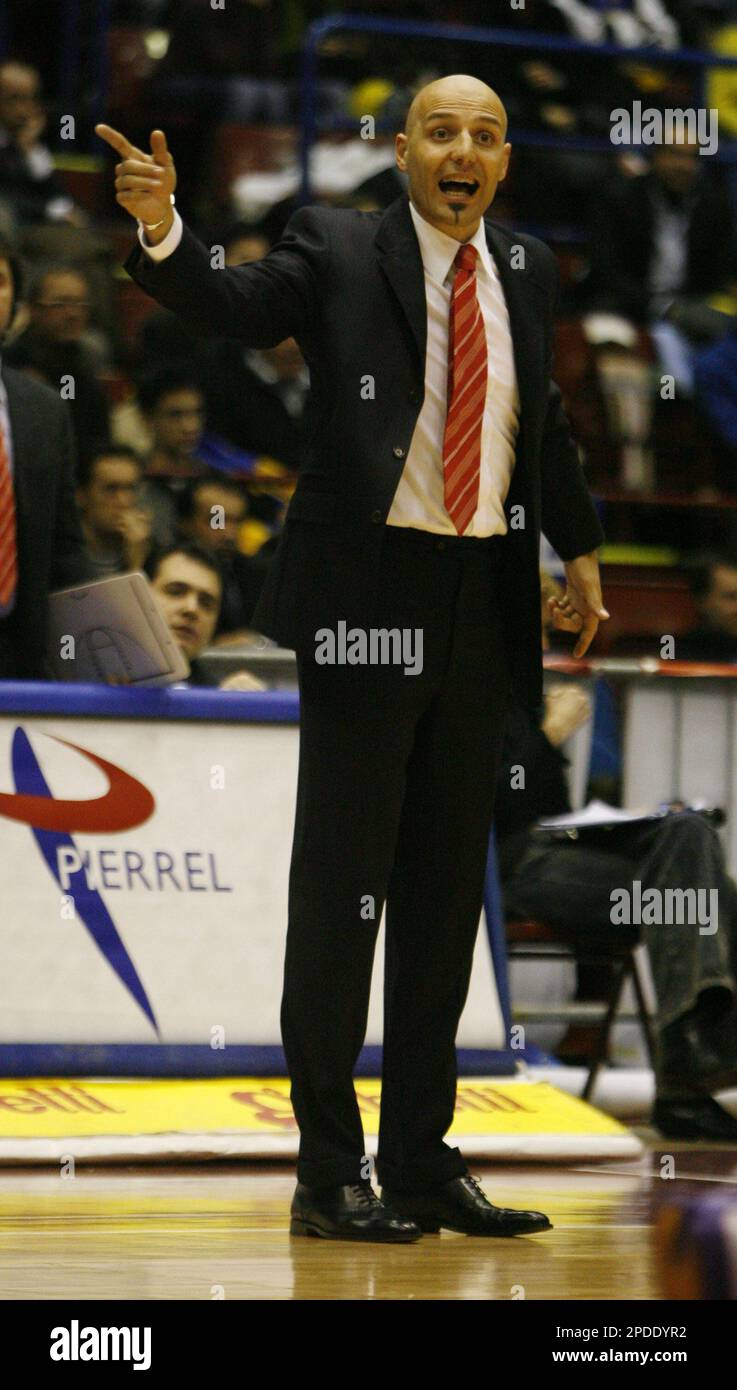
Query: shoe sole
x=433 y=1228
x=298 y=1227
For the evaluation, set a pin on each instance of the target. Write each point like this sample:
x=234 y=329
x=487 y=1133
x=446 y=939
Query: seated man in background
x=650 y=268
x=662 y=243
x=173 y=406
x=117 y=530
x=568 y=880
x=30 y=187
x=713 y=580
x=211 y=512
x=188 y=585
x=52 y=347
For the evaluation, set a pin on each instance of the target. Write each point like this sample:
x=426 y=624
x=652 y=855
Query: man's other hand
x=567 y=707
x=581 y=608
x=143 y=182
x=242 y=680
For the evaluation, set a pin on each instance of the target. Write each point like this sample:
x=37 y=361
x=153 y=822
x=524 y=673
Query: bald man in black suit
x=438 y=447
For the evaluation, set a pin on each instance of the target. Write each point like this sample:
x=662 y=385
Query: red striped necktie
x=467 y=373
x=8 y=550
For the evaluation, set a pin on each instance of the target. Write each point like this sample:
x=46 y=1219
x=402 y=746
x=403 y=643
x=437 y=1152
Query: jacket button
x=377 y=516
x=398 y=451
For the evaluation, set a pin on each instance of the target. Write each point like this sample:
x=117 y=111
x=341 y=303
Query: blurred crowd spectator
x=117 y=530
x=212 y=512
x=713 y=581
x=52 y=347
x=173 y=406
x=30 y=188
x=188 y=582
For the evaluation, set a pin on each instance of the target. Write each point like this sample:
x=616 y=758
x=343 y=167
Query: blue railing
x=82 y=700
x=70 y=67
x=505 y=38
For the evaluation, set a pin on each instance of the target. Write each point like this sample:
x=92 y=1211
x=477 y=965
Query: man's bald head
x=451 y=88
x=454 y=152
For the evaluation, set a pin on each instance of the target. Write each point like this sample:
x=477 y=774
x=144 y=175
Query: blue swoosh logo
x=87 y=901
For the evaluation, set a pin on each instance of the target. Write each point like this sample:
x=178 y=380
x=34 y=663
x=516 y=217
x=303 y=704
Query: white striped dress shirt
x=419 y=499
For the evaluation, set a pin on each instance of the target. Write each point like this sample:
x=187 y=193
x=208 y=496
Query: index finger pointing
x=118 y=141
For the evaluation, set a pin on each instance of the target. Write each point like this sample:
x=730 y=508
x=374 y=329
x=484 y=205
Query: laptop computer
x=112 y=629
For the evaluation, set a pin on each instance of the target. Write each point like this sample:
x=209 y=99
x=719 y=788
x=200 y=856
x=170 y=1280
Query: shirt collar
x=439 y=250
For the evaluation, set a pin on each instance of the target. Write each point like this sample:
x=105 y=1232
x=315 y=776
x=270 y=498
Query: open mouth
x=458 y=188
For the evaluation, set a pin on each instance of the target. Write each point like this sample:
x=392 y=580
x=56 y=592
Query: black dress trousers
x=395 y=796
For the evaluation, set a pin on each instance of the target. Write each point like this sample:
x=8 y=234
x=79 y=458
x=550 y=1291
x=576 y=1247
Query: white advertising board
x=144 y=884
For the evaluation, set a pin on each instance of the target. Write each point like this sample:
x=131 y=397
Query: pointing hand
x=143 y=182
x=581 y=608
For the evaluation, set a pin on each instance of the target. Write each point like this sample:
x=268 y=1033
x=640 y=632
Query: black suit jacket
x=349 y=286
x=51 y=550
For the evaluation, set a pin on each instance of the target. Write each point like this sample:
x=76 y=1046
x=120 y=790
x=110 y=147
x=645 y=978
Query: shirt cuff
x=165 y=247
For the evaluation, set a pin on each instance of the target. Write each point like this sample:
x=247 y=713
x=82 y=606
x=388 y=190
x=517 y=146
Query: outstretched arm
x=262 y=303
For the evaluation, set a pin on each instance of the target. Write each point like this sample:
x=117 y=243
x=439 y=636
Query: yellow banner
x=55 y=1108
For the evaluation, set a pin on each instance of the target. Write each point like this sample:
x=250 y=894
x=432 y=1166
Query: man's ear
x=400 y=151
x=505 y=163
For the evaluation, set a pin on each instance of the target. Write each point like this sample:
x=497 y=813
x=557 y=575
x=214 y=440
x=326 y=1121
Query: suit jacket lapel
x=399 y=256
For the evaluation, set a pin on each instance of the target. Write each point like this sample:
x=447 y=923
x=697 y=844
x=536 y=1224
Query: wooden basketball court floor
x=221 y=1230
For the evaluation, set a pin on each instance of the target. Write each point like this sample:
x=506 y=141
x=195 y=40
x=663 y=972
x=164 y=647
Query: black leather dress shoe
x=691 y=1058
x=693 y=1119
x=460 y=1205
x=352 y=1212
